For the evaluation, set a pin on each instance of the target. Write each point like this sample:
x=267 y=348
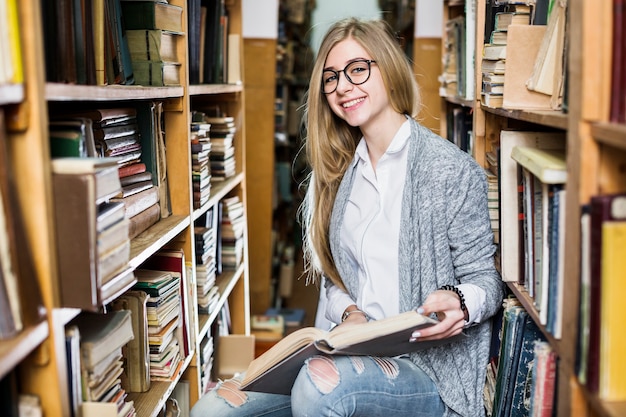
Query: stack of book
x=163 y=308
x=102 y=337
x=207 y=348
x=494 y=52
x=222 y=154
x=153 y=30
x=205 y=230
x=200 y=165
x=232 y=232
x=94 y=247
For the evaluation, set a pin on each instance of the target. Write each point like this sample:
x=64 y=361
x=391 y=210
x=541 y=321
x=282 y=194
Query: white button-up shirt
x=370 y=235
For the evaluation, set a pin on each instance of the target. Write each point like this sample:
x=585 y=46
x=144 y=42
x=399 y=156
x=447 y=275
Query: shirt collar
x=399 y=141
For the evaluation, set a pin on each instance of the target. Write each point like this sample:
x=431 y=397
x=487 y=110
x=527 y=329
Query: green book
x=152 y=15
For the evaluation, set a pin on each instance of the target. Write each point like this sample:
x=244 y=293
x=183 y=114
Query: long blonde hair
x=330 y=143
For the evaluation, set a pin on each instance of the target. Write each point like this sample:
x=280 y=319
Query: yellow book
x=15 y=42
x=612 y=335
x=546 y=164
x=98 y=41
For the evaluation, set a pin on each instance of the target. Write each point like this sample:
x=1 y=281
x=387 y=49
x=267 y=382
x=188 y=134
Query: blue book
x=292 y=316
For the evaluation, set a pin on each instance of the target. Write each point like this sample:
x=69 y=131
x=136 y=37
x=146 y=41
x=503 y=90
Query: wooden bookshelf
x=596 y=164
x=37 y=353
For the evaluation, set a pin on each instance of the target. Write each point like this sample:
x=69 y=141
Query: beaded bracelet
x=457 y=292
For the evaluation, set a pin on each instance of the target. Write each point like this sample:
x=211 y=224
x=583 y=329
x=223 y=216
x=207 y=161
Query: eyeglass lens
x=357 y=72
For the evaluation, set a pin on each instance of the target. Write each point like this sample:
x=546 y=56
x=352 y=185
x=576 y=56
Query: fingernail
x=420 y=310
x=415 y=335
x=411 y=340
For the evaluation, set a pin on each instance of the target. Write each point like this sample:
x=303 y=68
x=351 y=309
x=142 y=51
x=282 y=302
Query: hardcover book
x=152 y=15
x=276 y=369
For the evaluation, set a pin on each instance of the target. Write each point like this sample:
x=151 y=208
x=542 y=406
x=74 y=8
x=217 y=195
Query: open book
x=276 y=369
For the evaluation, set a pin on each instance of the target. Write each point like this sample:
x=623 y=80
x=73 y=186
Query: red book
x=132 y=169
x=618 y=66
x=600 y=212
x=544 y=380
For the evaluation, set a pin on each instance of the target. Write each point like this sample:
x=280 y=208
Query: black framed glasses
x=357 y=72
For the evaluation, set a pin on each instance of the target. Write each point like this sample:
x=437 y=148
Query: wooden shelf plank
x=150 y=403
x=14 y=350
x=611 y=134
x=155 y=238
x=209 y=89
x=548 y=118
x=72 y=92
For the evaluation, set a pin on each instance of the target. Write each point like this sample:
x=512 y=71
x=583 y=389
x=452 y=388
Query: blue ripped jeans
x=332 y=387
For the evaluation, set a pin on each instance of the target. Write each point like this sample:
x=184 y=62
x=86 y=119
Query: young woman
x=395 y=219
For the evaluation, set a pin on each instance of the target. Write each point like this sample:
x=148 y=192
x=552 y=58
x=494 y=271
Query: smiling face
x=359 y=105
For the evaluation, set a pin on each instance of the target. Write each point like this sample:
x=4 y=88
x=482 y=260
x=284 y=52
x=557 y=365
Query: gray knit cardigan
x=445 y=238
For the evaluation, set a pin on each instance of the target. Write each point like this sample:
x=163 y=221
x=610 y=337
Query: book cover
x=102 y=334
x=548 y=165
x=277 y=368
x=543 y=381
x=152 y=45
x=136 y=376
x=522 y=46
x=156 y=73
x=144 y=220
x=612 y=384
x=152 y=15
x=509 y=208
x=137 y=203
x=123 y=68
x=174 y=260
x=520 y=406
x=601 y=212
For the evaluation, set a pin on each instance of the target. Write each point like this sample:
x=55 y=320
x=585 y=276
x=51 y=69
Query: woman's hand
x=447 y=306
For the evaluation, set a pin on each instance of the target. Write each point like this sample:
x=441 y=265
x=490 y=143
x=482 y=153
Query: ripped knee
x=323 y=372
x=229 y=391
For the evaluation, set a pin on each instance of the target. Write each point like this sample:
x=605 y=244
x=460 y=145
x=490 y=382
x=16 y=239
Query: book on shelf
x=503 y=20
x=11 y=68
x=132 y=169
x=157 y=73
x=493 y=100
x=153 y=156
x=548 y=72
x=293 y=316
x=611 y=383
x=510 y=227
x=494 y=51
x=266 y=327
x=523 y=47
x=136 y=203
x=119 y=55
x=603 y=209
x=102 y=335
x=276 y=369
x=153 y=45
x=89 y=255
x=136 y=375
x=548 y=165
x=543 y=382
x=152 y=15
x=517 y=335
x=105 y=116
x=142 y=221
x=173 y=260
x=135 y=178
x=75 y=134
